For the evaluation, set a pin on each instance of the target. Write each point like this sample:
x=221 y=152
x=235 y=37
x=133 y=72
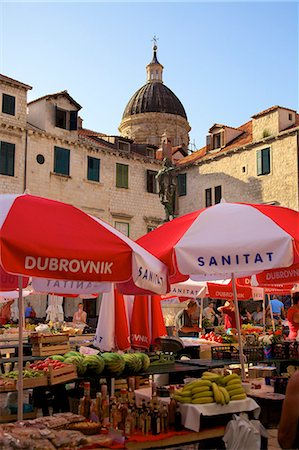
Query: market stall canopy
x=227 y=238
x=50 y=239
x=9 y=282
x=283 y=275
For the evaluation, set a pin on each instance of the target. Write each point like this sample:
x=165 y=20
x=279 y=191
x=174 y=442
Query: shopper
x=185 y=321
x=229 y=315
x=293 y=317
x=29 y=312
x=210 y=314
x=80 y=316
x=5 y=312
x=288 y=430
x=277 y=309
x=257 y=315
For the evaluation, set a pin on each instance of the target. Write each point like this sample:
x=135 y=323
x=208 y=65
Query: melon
x=133 y=362
x=71 y=353
x=79 y=362
x=145 y=360
x=94 y=363
x=114 y=363
x=57 y=358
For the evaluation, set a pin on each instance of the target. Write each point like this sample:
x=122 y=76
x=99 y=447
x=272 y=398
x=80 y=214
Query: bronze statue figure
x=167 y=188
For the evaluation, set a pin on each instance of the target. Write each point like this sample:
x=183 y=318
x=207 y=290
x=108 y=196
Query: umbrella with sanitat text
x=227 y=240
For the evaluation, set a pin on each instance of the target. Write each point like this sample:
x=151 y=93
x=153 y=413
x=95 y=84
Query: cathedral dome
x=154 y=97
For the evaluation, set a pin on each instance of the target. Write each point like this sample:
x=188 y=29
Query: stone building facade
x=255 y=163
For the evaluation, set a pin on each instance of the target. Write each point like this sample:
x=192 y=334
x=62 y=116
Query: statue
x=167 y=188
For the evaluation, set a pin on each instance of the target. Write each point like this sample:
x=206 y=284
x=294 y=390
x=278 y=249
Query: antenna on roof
x=192 y=146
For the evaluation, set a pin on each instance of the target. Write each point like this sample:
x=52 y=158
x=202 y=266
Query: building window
x=150 y=152
x=150 y=228
x=73 y=120
x=218 y=194
x=7 y=159
x=151 y=181
x=123 y=146
x=290 y=116
x=263 y=161
x=208 y=193
x=216 y=140
x=61 y=161
x=123 y=227
x=8 y=104
x=61 y=118
x=182 y=184
x=93 y=169
x=122 y=175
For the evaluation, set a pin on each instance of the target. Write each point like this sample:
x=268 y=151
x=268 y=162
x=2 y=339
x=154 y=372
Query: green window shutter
x=61 y=161
x=73 y=120
x=93 y=169
x=182 y=184
x=8 y=104
x=266 y=160
x=151 y=182
x=122 y=172
x=7 y=159
x=259 y=163
x=218 y=194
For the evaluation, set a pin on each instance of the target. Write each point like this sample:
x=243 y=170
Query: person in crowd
x=288 y=430
x=257 y=315
x=277 y=309
x=29 y=312
x=185 y=323
x=293 y=317
x=229 y=315
x=80 y=316
x=246 y=315
x=5 y=312
x=210 y=314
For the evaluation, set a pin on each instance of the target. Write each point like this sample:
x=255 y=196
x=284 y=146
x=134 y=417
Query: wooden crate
x=66 y=373
x=40 y=338
x=48 y=349
x=28 y=383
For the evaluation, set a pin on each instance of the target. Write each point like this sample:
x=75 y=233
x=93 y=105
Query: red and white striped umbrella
x=49 y=239
x=242 y=239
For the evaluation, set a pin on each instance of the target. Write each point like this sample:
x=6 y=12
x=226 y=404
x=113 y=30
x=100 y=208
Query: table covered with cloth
x=191 y=414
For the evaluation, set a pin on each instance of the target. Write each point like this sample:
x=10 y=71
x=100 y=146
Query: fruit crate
x=228 y=352
x=28 y=383
x=49 y=344
x=294 y=350
x=253 y=354
x=14 y=417
x=62 y=375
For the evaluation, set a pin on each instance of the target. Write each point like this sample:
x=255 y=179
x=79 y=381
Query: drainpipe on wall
x=25 y=162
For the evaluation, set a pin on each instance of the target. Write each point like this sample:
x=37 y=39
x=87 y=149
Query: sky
x=225 y=61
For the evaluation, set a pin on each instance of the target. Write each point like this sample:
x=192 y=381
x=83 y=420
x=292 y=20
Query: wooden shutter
x=122 y=175
x=266 y=161
x=222 y=140
x=208 y=142
x=61 y=161
x=93 y=169
x=182 y=184
x=218 y=194
x=7 y=159
x=8 y=104
x=208 y=199
x=259 y=163
x=73 y=120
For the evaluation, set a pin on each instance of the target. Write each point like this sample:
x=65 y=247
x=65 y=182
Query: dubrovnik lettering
x=222 y=294
x=227 y=260
x=139 y=338
x=66 y=265
x=150 y=276
x=284 y=274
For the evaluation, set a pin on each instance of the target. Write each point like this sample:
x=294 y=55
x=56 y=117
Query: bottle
x=171 y=407
x=164 y=419
x=105 y=410
x=99 y=406
x=87 y=400
x=129 y=424
x=178 y=419
x=81 y=407
x=93 y=412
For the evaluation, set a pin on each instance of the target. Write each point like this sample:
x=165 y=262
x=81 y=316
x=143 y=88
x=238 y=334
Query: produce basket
x=254 y=353
x=222 y=352
x=281 y=350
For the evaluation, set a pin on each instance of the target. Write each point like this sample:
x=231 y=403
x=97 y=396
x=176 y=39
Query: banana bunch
x=196 y=392
x=234 y=387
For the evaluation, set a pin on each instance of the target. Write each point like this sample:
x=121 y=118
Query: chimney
x=166 y=148
x=80 y=123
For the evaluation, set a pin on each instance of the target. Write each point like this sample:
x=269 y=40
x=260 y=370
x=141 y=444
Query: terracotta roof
x=272 y=108
x=6 y=79
x=57 y=94
x=175 y=149
x=221 y=125
x=87 y=132
x=242 y=139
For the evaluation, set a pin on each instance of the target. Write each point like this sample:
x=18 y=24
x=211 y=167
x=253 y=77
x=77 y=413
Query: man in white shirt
x=209 y=312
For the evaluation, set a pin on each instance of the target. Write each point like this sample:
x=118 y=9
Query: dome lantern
x=154 y=69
